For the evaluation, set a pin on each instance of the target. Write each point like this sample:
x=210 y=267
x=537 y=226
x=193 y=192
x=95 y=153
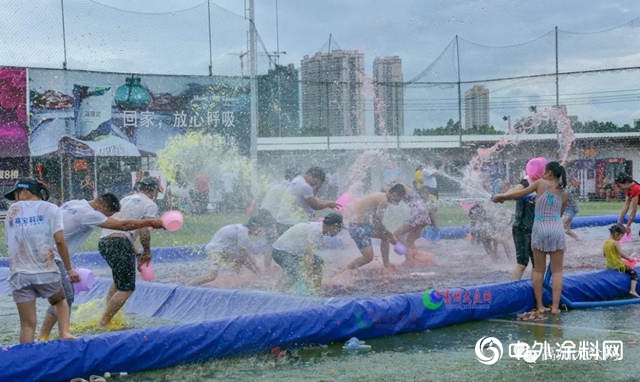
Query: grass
x=198 y=229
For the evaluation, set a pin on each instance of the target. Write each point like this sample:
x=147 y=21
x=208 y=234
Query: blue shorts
x=570 y=213
x=361 y=234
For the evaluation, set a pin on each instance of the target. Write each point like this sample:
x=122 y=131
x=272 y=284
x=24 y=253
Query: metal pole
x=557 y=76
x=254 y=83
x=459 y=93
x=64 y=37
x=210 y=44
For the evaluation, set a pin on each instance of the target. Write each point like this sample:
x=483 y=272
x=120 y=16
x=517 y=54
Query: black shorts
x=522 y=241
x=119 y=254
x=291 y=263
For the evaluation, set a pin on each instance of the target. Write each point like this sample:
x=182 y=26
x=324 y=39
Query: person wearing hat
x=80 y=217
x=116 y=246
x=294 y=251
x=31 y=245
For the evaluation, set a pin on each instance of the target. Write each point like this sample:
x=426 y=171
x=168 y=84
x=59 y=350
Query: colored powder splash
x=86 y=317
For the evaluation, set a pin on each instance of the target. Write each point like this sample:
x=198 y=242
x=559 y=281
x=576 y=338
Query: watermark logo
x=432 y=299
x=488 y=350
x=457 y=299
x=544 y=351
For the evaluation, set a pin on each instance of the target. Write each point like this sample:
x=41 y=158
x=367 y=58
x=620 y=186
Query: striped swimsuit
x=548 y=232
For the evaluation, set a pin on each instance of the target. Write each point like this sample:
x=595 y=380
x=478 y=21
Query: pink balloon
x=535 y=168
x=172 y=220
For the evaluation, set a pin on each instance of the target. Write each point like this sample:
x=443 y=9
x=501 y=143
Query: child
x=230 y=245
x=631 y=193
x=366 y=223
x=294 y=251
x=524 y=216
x=614 y=254
x=547 y=235
x=33 y=229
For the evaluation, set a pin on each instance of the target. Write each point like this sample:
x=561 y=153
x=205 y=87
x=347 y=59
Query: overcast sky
x=416 y=30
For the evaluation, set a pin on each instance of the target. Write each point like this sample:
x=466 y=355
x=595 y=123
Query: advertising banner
x=14 y=142
x=106 y=114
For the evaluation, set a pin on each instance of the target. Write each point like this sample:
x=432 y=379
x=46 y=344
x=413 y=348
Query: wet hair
x=558 y=171
x=624 y=178
x=317 y=173
x=290 y=173
x=398 y=189
x=617 y=228
x=148 y=184
x=110 y=201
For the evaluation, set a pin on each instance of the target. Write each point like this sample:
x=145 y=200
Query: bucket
x=625 y=237
x=146 y=272
x=87 y=278
x=172 y=220
x=400 y=248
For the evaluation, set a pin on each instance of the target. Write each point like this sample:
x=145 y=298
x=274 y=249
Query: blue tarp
x=225 y=323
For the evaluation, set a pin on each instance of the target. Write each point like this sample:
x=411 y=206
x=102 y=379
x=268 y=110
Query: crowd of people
x=42 y=237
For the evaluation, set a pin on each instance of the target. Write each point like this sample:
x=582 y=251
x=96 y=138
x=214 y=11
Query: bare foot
x=634 y=294
x=68 y=336
x=555 y=311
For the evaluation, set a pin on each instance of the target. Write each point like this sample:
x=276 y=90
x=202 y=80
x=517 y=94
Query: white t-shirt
x=29 y=230
x=428 y=178
x=229 y=239
x=79 y=220
x=273 y=197
x=294 y=207
x=136 y=206
x=297 y=238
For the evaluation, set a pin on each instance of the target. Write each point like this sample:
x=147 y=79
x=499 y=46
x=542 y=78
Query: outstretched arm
x=516 y=193
x=320 y=204
x=131 y=224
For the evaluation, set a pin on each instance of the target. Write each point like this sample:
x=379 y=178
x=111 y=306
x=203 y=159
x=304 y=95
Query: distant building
x=332 y=93
x=476 y=107
x=278 y=102
x=388 y=113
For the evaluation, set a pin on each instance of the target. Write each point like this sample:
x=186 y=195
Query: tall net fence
x=595 y=71
x=86 y=35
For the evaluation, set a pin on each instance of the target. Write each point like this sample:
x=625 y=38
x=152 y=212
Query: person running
x=366 y=223
x=117 y=246
x=80 y=218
